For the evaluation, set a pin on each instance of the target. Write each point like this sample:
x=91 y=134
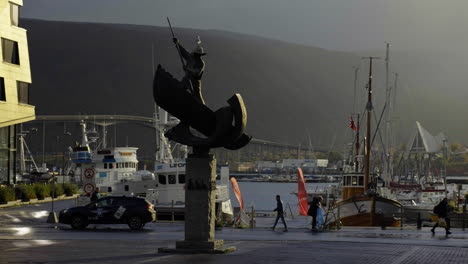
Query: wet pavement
x=27 y=238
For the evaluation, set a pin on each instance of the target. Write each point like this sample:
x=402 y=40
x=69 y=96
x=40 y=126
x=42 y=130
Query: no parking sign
x=89 y=188
x=89 y=173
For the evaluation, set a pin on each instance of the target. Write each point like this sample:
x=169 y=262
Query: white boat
x=114 y=171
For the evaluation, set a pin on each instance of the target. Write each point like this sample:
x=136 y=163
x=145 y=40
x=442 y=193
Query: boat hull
x=366 y=211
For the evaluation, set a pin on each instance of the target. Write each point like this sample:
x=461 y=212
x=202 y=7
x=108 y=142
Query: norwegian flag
x=351 y=123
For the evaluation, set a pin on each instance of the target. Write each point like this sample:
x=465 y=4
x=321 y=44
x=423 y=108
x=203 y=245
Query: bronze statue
x=184 y=100
x=194 y=67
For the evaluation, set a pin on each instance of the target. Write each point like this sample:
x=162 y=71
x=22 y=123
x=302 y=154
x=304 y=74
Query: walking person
x=280 y=210
x=314 y=206
x=442 y=210
x=95 y=196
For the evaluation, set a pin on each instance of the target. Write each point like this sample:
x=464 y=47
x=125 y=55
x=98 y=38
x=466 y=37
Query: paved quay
x=26 y=238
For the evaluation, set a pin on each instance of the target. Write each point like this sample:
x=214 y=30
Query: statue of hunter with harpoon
x=184 y=100
x=194 y=67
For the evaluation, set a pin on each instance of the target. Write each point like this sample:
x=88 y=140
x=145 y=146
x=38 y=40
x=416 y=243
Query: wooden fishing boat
x=361 y=205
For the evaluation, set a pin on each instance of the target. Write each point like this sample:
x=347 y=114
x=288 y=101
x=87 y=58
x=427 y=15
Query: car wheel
x=135 y=223
x=78 y=222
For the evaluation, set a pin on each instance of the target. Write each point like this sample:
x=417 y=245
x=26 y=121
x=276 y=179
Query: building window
x=162 y=179
x=4 y=160
x=2 y=90
x=172 y=179
x=23 y=92
x=105 y=165
x=5 y=155
x=10 y=51
x=14 y=14
x=181 y=178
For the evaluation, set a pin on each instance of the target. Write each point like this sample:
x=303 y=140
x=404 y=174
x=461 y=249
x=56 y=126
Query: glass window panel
x=2 y=89
x=181 y=178
x=14 y=14
x=172 y=179
x=23 y=92
x=4 y=137
x=162 y=179
x=10 y=51
x=3 y=166
x=354 y=181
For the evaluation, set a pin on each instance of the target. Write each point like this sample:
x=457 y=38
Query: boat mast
x=369 y=108
x=155 y=117
x=387 y=155
x=357 y=145
x=160 y=121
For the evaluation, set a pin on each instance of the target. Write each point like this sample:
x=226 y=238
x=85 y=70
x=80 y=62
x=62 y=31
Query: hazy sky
x=430 y=25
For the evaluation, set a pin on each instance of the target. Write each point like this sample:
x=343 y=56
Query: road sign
x=89 y=173
x=89 y=188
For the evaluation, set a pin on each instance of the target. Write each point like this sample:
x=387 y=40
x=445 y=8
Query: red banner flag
x=351 y=123
x=301 y=192
x=237 y=192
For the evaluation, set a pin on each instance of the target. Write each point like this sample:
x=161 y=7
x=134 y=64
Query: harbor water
x=261 y=195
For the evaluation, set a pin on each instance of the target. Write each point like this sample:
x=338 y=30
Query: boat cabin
x=353 y=185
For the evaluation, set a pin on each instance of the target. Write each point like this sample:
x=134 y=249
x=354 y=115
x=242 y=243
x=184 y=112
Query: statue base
x=200 y=197
x=199 y=247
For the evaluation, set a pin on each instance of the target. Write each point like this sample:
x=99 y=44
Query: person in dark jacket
x=314 y=206
x=280 y=210
x=442 y=210
x=95 y=196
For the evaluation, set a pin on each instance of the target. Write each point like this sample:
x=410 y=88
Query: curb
x=46 y=200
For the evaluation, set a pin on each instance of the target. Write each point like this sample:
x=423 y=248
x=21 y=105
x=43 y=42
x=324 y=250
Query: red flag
x=237 y=192
x=301 y=192
x=351 y=123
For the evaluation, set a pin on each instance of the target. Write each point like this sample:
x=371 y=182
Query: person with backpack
x=442 y=210
x=314 y=206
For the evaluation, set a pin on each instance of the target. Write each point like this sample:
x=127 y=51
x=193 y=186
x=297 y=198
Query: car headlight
x=64 y=211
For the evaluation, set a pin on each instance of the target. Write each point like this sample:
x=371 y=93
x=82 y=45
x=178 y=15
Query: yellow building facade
x=15 y=80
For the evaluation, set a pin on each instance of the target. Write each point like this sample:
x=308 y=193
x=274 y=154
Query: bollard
x=172 y=212
x=338 y=224
x=419 y=221
x=382 y=226
x=401 y=218
x=464 y=217
x=252 y=220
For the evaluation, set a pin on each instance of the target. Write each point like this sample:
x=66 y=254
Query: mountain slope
x=291 y=91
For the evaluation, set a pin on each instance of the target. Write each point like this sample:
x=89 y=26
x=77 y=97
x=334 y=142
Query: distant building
x=242 y=167
x=307 y=165
x=15 y=80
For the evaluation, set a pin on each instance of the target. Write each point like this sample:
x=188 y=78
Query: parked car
x=131 y=210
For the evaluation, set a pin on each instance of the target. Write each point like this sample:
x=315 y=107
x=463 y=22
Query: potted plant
x=6 y=195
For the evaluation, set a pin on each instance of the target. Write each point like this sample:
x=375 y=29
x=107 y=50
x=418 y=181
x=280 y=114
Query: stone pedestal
x=200 y=215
